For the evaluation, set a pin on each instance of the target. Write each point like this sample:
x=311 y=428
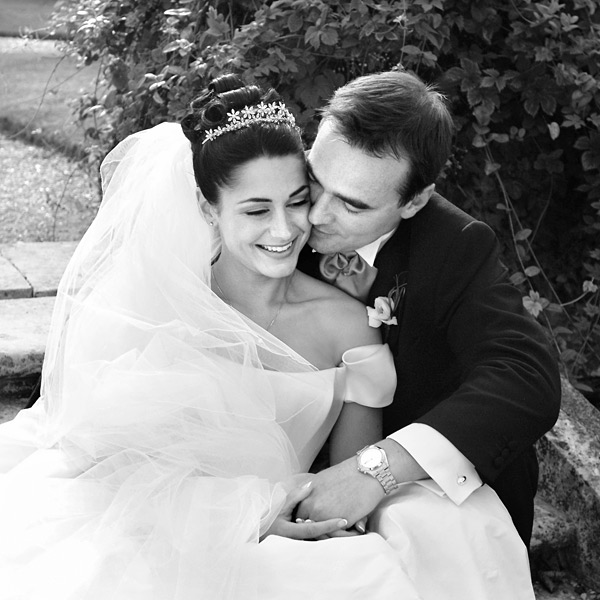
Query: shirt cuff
x=440 y=459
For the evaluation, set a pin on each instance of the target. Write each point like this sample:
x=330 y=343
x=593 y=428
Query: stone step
x=32 y=269
x=29 y=277
x=10 y=407
x=24 y=327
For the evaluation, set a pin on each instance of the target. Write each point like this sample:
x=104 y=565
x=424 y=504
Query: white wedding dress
x=170 y=427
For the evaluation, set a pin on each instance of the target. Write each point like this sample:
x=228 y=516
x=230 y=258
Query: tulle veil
x=159 y=397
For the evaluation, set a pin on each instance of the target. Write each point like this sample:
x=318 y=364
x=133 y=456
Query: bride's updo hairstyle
x=218 y=153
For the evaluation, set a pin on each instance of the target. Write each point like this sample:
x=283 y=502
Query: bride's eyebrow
x=301 y=189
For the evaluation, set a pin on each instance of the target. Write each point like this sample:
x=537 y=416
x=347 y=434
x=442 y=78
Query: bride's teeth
x=278 y=248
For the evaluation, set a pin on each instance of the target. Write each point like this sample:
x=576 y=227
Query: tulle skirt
x=131 y=529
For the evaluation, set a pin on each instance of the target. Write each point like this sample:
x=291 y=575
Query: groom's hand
x=299 y=529
x=341 y=491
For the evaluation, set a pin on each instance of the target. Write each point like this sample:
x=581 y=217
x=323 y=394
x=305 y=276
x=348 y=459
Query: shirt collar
x=369 y=252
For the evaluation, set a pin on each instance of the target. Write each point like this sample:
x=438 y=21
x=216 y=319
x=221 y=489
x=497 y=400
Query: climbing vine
x=522 y=78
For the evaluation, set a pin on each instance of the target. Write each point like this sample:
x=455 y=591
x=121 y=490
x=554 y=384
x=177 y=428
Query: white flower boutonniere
x=382 y=312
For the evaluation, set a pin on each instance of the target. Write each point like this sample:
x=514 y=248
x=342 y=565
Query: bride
x=191 y=377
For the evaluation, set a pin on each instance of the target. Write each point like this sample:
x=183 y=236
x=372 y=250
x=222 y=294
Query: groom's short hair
x=395 y=114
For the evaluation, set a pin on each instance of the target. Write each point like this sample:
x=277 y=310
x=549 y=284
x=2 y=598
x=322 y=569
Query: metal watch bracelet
x=387 y=480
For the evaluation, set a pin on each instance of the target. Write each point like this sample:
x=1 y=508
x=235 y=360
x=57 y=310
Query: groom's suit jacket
x=471 y=363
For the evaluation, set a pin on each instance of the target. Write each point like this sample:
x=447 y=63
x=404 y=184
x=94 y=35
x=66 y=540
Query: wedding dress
x=170 y=427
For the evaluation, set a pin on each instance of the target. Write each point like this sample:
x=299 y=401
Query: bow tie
x=349 y=272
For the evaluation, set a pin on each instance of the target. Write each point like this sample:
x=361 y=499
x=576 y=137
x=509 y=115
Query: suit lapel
x=392 y=264
x=308 y=262
x=391 y=260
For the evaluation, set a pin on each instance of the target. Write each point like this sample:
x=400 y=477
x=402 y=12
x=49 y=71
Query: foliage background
x=522 y=78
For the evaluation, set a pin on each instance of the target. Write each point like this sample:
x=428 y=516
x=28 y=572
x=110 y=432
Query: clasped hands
x=335 y=503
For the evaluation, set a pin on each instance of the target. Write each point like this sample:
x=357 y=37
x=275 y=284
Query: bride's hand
x=285 y=526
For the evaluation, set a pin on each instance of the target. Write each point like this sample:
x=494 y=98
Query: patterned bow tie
x=349 y=272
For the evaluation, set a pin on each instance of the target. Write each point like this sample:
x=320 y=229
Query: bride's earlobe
x=205 y=207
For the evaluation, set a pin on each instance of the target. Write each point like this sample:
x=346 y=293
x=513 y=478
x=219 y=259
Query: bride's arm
x=356 y=427
x=285 y=526
x=359 y=346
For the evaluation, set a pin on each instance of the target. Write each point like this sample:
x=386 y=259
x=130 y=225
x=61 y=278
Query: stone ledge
x=10 y=408
x=570 y=478
x=24 y=327
x=17 y=387
x=553 y=541
x=551 y=528
x=33 y=269
x=12 y=282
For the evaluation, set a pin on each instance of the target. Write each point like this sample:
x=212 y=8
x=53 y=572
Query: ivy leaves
x=522 y=77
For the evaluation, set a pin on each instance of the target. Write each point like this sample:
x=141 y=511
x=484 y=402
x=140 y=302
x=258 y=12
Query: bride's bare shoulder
x=310 y=289
x=335 y=312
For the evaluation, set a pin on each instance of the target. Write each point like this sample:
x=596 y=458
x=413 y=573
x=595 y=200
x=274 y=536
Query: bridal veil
x=156 y=402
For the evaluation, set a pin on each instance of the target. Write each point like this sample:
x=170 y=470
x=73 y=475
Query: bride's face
x=263 y=215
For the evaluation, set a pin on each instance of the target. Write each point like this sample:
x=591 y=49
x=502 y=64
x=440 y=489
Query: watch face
x=371 y=458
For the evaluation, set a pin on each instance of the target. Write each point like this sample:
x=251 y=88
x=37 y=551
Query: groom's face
x=355 y=196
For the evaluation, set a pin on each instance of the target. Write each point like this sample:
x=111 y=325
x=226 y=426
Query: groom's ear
x=417 y=202
x=208 y=211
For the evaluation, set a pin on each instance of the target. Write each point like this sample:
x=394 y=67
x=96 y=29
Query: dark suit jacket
x=471 y=363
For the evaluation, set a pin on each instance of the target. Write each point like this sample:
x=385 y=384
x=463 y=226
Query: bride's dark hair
x=216 y=161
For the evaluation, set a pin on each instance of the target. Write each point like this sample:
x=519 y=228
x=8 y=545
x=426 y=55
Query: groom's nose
x=319 y=212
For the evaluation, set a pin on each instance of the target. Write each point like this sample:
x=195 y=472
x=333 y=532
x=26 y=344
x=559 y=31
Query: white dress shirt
x=449 y=468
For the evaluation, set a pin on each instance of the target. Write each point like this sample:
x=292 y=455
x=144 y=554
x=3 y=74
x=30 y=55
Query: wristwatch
x=372 y=460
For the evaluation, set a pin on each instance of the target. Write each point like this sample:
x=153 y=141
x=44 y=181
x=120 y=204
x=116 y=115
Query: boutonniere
x=382 y=313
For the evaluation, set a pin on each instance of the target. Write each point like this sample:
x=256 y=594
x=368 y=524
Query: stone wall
x=570 y=477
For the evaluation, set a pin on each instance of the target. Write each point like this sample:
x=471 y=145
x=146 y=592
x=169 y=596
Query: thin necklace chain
x=268 y=327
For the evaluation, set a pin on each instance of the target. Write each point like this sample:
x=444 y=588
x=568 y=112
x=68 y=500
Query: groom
x=477 y=382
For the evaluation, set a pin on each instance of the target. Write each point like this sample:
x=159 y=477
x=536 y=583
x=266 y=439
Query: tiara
x=274 y=112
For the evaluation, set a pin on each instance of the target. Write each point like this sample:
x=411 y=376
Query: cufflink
x=461 y=480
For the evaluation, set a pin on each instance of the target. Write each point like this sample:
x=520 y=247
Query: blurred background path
x=44 y=194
